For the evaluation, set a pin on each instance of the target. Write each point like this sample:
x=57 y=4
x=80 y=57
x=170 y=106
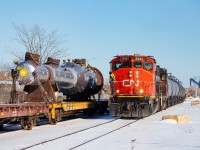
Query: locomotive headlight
x=141 y=91
x=117 y=91
x=23 y=72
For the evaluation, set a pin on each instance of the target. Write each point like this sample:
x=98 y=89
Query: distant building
x=6 y=87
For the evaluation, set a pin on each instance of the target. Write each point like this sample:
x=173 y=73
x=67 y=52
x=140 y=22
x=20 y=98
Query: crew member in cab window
x=117 y=65
x=148 y=65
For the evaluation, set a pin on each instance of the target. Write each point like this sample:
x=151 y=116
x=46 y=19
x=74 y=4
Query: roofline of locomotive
x=135 y=55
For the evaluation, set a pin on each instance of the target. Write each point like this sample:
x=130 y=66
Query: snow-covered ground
x=154 y=134
x=150 y=133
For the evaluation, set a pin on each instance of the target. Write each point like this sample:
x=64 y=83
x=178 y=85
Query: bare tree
x=38 y=41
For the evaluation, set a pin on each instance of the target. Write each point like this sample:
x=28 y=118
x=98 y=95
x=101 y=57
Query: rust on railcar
x=19 y=110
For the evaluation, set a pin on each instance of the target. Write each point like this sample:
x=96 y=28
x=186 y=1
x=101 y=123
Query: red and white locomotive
x=141 y=87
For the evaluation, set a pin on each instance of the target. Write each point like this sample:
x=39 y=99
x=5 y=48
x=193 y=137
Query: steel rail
x=53 y=139
x=102 y=135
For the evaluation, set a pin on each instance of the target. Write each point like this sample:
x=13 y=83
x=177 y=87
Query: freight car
x=64 y=89
x=141 y=87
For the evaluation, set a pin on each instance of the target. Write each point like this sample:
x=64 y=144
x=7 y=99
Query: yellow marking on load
x=2 y=113
x=182 y=119
x=19 y=68
x=23 y=72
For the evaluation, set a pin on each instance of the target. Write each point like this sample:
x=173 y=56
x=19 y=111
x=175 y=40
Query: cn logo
x=130 y=82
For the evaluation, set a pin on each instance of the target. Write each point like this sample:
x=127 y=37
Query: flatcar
x=141 y=87
x=53 y=90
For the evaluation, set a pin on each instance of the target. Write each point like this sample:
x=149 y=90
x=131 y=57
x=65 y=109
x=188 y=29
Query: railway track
x=18 y=139
x=73 y=140
x=102 y=135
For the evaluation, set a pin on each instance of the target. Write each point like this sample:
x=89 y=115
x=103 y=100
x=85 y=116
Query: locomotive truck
x=141 y=87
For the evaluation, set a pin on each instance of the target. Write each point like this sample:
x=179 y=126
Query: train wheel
x=52 y=121
x=140 y=114
x=35 y=119
x=23 y=123
x=144 y=111
x=58 y=114
x=170 y=102
x=27 y=123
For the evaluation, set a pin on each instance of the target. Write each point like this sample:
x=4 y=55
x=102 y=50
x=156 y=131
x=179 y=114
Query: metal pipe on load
x=71 y=78
x=65 y=78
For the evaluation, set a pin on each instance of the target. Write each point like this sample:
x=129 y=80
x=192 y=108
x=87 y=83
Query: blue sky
x=169 y=30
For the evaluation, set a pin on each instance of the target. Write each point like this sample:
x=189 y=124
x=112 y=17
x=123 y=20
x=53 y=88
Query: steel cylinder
x=71 y=78
x=175 y=89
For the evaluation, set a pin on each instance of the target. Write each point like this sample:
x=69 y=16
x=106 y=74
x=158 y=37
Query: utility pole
x=193 y=80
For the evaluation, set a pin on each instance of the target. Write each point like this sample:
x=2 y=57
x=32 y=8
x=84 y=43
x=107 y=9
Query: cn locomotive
x=141 y=87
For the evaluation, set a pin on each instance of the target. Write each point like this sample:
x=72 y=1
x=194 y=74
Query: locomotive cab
x=134 y=75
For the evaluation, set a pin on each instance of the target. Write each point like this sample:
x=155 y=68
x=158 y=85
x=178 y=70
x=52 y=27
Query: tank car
x=72 y=80
x=142 y=87
x=175 y=90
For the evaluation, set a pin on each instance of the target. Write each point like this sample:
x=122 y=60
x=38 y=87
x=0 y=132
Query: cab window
x=126 y=64
x=163 y=77
x=116 y=65
x=148 y=65
x=137 y=64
